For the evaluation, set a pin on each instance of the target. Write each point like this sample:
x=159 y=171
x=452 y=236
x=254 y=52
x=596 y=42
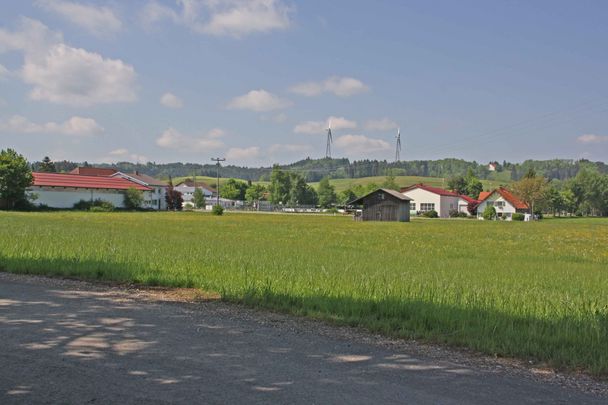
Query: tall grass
x=531 y=290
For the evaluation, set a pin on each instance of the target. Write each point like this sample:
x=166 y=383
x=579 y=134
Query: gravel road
x=73 y=342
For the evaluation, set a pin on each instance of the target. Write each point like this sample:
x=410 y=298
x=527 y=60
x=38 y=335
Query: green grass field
x=402 y=181
x=343 y=184
x=530 y=290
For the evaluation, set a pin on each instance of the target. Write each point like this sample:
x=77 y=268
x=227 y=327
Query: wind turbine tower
x=329 y=141
x=398 y=146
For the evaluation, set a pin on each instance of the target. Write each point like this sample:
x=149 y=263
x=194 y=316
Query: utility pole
x=218 y=160
x=398 y=146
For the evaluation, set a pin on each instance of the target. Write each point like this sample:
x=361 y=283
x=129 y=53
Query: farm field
x=343 y=184
x=402 y=181
x=531 y=290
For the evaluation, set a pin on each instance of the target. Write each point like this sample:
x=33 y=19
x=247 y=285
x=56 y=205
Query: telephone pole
x=218 y=160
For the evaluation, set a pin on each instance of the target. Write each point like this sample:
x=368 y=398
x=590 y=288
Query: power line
x=218 y=160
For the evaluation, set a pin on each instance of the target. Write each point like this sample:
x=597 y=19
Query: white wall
x=507 y=211
x=67 y=197
x=442 y=203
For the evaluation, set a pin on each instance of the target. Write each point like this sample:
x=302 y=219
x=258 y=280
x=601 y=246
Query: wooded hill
x=315 y=169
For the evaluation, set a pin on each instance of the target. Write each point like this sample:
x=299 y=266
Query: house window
x=413 y=206
x=424 y=207
x=499 y=204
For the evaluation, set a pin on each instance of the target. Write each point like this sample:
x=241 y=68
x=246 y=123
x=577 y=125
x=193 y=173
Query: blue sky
x=257 y=81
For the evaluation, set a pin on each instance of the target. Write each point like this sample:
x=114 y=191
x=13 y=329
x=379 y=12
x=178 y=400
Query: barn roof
x=393 y=193
x=80 y=181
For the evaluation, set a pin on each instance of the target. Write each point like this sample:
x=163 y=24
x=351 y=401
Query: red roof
x=93 y=171
x=468 y=199
x=507 y=195
x=483 y=195
x=80 y=181
x=435 y=190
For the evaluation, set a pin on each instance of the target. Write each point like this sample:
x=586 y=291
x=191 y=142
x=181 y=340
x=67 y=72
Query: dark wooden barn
x=383 y=205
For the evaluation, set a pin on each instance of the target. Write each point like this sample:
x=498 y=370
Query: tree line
x=313 y=170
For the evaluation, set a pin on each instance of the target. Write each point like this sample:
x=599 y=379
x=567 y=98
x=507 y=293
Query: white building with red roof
x=426 y=198
x=155 y=199
x=504 y=202
x=63 y=190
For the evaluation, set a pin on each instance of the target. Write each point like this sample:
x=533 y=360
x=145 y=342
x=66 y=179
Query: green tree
x=531 y=190
x=326 y=193
x=458 y=184
x=346 y=196
x=233 y=190
x=280 y=186
x=15 y=178
x=301 y=193
x=390 y=183
x=47 y=166
x=473 y=185
x=255 y=193
x=133 y=198
x=198 y=198
x=489 y=213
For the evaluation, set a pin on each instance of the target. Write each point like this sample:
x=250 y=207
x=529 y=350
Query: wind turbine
x=329 y=141
x=398 y=146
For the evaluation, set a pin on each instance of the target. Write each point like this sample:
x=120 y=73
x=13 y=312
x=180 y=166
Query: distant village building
x=187 y=187
x=154 y=199
x=426 y=198
x=504 y=202
x=383 y=205
x=93 y=171
x=63 y=190
x=492 y=166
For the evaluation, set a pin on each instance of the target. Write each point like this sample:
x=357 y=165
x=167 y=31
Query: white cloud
x=75 y=126
x=590 y=138
x=277 y=118
x=62 y=74
x=383 y=124
x=360 y=144
x=320 y=127
x=260 y=101
x=3 y=71
x=122 y=154
x=340 y=86
x=288 y=148
x=243 y=153
x=216 y=133
x=99 y=21
x=173 y=139
x=171 y=101
x=235 y=18
x=119 y=152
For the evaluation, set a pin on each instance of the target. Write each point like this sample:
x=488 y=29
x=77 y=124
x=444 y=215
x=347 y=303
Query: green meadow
x=536 y=291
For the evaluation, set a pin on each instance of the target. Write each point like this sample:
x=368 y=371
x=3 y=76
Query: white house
x=187 y=188
x=154 y=199
x=426 y=198
x=63 y=190
x=505 y=203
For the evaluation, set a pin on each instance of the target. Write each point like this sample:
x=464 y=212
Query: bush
x=94 y=206
x=489 y=213
x=518 y=216
x=430 y=214
x=133 y=198
x=332 y=210
x=458 y=214
x=217 y=210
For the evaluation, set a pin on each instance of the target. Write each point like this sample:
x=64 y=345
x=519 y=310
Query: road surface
x=71 y=342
